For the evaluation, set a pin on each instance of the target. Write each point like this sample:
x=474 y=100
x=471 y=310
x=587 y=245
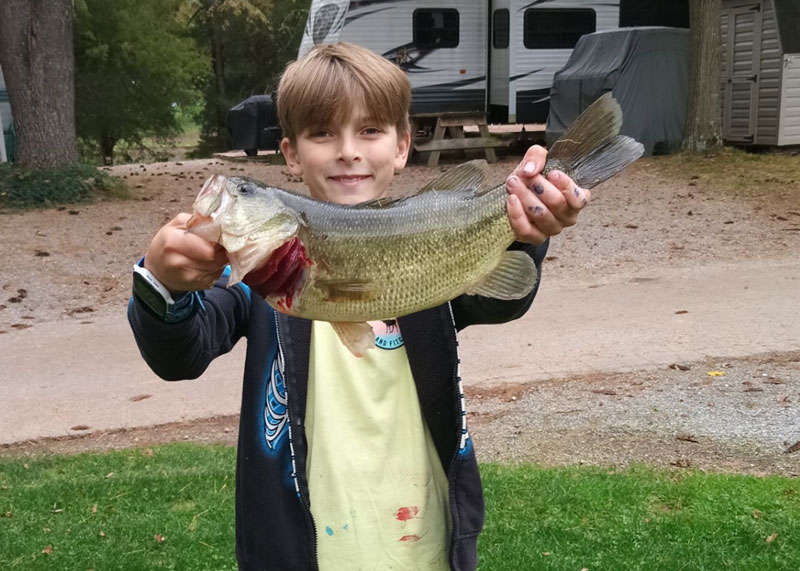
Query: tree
x=248 y=43
x=135 y=66
x=36 y=55
x=702 y=129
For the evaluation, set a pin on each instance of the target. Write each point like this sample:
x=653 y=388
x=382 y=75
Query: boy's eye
x=316 y=133
x=372 y=130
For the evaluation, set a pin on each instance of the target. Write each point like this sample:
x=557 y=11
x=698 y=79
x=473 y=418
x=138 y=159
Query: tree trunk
x=702 y=129
x=37 y=58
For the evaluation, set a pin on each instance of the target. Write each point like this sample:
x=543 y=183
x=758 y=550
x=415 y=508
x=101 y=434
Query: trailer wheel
x=251 y=152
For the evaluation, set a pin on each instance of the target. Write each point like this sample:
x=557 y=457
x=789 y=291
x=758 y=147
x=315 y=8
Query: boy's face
x=347 y=163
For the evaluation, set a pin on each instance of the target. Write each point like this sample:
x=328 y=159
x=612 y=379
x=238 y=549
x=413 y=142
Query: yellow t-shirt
x=377 y=488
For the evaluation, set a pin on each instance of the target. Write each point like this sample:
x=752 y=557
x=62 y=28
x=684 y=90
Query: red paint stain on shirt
x=412 y=538
x=407 y=513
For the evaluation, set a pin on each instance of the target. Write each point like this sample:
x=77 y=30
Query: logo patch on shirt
x=387 y=334
x=275 y=412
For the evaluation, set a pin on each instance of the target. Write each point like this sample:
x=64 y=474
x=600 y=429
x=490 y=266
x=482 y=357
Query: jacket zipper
x=462 y=436
x=302 y=497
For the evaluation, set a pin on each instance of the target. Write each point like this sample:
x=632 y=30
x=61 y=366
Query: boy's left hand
x=540 y=207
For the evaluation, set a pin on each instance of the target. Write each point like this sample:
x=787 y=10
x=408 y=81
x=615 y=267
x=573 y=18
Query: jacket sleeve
x=476 y=309
x=183 y=350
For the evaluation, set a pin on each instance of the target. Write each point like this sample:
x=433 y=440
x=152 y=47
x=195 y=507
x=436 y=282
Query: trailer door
x=499 y=64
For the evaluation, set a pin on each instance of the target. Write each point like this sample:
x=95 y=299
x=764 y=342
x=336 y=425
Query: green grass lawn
x=171 y=507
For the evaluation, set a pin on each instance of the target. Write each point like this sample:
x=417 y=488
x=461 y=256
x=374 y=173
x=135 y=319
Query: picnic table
x=453 y=124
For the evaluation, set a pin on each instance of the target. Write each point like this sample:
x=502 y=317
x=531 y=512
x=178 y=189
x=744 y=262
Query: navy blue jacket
x=274 y=527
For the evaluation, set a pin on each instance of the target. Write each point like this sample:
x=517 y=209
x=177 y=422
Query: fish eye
x=247 y=188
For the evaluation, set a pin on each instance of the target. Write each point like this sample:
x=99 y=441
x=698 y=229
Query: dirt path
x=73 y=265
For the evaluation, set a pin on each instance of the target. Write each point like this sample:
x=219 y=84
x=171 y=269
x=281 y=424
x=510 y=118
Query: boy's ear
x=403 y=147
x=290 y=154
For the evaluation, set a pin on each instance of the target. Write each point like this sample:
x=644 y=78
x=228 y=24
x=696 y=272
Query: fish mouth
x=204 y=226
x=212 y=201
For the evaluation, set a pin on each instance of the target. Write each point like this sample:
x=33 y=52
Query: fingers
x=575 y=196
x=183 y=261
x=524 y=229
x=532 y=163
x=537 y=207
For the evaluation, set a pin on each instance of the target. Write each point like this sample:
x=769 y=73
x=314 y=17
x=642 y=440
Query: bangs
x=335 y=99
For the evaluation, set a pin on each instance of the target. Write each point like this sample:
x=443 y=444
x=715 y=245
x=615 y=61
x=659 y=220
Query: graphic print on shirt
x=387 y=334
x=275 y=411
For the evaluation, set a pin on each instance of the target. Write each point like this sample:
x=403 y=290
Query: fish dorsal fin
x=591 y=150
x=358 y=337
x=513 y=278
x=465 y=176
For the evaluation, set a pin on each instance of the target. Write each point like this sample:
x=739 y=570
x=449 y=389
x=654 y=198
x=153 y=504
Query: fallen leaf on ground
x=756 y=514
x=687 y=438
x=793 y=448
x=138 y=398
x=716 y=373
x=159 y=538
x=80 y=427
x=109 y=475
x=48 y=550
x=772 y=538
x=679 y=367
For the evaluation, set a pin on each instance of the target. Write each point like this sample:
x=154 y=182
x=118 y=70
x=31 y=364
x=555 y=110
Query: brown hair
x=324 y=87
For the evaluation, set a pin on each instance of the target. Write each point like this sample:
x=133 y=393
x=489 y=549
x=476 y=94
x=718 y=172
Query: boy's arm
x=184 y=349
x=201 y=325
x=538 y=208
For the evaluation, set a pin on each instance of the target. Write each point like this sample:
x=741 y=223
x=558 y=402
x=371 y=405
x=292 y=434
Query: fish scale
x=388 y=246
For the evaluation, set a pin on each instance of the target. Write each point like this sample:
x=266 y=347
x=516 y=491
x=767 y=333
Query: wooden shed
x=761 y=72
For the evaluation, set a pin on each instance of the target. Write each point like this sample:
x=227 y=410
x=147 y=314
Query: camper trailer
x=496 y=57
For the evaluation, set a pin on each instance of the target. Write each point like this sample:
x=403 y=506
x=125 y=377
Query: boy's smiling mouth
x=350 y=179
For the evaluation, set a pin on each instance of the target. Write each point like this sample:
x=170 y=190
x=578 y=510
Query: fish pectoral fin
x=465 y=176
x=513 y=278
x=347 y=289
x=358 y=337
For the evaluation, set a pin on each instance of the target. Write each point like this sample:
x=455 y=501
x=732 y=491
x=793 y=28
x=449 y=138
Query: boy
x=343 y=463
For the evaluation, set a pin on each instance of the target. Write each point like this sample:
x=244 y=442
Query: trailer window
x=435 y=28
x=500 y=29
x=556 y=29
x=672 y=13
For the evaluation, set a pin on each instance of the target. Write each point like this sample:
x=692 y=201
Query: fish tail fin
x=591 y=150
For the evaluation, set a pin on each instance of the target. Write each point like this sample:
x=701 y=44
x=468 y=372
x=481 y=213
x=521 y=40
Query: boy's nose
x=348 y=150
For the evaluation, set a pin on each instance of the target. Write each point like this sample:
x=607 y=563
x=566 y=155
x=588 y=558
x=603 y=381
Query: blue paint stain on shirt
x=345 y=527
x=328 y=530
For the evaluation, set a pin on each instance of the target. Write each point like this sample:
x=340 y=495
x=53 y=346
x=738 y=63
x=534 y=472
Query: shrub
x=37 y=188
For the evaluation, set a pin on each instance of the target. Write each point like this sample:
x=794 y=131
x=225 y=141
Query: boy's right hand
x=183 y=261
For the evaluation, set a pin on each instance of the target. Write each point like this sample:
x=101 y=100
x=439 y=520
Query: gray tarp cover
x=647 y=69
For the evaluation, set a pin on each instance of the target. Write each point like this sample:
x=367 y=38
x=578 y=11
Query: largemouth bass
x=393 y=256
